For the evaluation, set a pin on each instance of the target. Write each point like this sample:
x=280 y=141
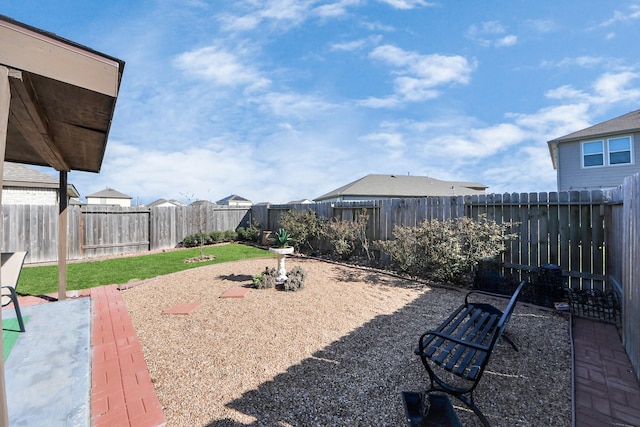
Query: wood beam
x=35 y=51
x=5 y=105
x=62 y=237
x=29 y=118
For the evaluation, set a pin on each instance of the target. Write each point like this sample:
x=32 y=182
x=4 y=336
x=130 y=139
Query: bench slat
x=459 y=360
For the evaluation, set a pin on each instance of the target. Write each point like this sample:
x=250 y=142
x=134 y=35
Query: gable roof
x=202 y=203
x=109 y=193
x=627 y=123
x=398 y=186
x=232 y=198
x=161 y=202
x=17 y=175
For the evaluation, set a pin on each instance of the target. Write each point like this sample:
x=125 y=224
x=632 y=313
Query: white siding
x=108 y=201
x=29 y=196
x=572 y=176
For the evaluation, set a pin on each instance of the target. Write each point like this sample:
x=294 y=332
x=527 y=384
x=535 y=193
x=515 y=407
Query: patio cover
x=57 y=100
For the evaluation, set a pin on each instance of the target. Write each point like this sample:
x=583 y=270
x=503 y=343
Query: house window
x=614 y=151
x=593 y=153
x=620 y=151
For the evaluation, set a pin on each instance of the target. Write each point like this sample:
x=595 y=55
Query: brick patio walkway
x=607 y=392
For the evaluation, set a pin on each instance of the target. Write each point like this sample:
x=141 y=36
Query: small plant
x=266 y=279
x=295 y=279
x=282 y=238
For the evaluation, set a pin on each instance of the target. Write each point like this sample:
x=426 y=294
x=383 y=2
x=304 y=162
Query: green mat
x=10 y=333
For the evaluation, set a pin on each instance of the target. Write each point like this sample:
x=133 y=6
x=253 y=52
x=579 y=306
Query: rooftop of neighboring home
x=19 y=175
x=109 y=193
x=165 y=202
x=233 y=199
x=376 y=186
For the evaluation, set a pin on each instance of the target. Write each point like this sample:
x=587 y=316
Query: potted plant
x=282 y=248
x=281 y=239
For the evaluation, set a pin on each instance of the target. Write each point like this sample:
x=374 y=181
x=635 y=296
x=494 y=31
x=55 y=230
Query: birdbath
x=282 y=253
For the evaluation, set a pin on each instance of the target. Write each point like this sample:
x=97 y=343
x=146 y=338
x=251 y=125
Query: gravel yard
x=338 y=352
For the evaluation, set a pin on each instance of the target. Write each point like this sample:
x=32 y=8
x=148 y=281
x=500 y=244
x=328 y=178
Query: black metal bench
x=462 y=346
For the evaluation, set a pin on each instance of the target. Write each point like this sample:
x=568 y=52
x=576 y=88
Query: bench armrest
x=484 y=293
x=446 y=337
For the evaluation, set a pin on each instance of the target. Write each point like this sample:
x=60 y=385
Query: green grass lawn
x=44 y=279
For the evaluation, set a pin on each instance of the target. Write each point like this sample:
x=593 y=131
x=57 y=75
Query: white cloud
x=491 y=33
x=391 y=143
x=336 y=9
x=614 y=87
x=506 y=41
x=585 y=61
x=419 y=76
x=349 y=46
x=542 y=25
x=567 y=93
x=293 y=105
x=406 y=4
x=632 y=14
x=221 y=67
x=283 y=14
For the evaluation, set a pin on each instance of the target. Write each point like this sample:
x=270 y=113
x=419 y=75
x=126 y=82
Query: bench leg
x=507 y=339
x=469 y=402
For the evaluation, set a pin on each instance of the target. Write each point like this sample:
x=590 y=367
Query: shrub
x=266 y=279
x=295 y=279
x=346 y=237
x=199 y=238
x=304 y=227
x=447 y=250
x=196 y=239
x=251 y=233
x=216 y=236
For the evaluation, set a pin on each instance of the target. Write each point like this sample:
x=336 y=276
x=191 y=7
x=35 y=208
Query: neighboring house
x=202 y=203
x=22 y=185
x=166 y=203
x=598 y=157
x=109 y=196
x=378 y=187
x=300 y=202
x=235 y=200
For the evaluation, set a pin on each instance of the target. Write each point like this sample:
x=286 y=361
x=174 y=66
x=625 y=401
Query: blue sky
x=289 y=99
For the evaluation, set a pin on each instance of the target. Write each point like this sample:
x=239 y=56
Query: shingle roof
x=109 y=193
x=387 y=186
x=15 y=172
x=233 y=198
x=19 y=175
x=626 y=123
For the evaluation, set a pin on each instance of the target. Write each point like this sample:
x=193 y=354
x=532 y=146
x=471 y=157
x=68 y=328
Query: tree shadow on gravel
x=356 y=380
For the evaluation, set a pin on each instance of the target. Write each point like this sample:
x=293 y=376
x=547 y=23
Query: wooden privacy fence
x=97 y=230
x=570 y=229
x=566 y=228
x=624 y=262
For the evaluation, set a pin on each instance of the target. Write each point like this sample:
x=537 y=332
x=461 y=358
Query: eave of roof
x=63 y=97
